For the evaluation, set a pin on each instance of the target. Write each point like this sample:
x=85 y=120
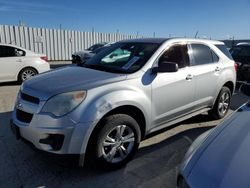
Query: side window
x=202 y=54
x=224 y=50
x=7 y=51
x=177 y=54
x=214 y=56
x=19 y=52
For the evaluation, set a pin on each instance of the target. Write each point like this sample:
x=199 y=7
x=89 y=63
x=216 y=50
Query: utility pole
x=196 y=34
x=21 y=23
x=233 y=41
x=154 y=34
x=117 y=33
x=92 y=35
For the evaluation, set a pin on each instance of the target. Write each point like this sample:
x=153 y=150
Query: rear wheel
x=117 y=141
x=222 y=103
x=26 y=74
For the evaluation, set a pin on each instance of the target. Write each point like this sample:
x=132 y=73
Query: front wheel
x=222 y=103
x=117 y=141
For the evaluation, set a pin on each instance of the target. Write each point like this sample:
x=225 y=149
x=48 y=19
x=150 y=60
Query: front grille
x=23 y=116
x=30 y=98
x=76 y=59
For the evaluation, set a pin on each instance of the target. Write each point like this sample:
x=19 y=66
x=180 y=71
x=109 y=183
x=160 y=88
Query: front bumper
x=54 y=135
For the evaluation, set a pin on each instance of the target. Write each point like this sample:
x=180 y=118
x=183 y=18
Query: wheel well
x=230 y=85
x=132 y=111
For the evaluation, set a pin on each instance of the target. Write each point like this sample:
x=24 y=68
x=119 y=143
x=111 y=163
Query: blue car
x=219 y=158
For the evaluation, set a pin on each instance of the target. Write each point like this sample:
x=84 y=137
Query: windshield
x=122 y=57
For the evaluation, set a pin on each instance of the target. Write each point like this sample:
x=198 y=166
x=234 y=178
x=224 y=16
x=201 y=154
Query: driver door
x=173 y=92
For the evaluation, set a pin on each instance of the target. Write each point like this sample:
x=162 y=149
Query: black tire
x=28 y=70
x=119 y=152
x=222 y=104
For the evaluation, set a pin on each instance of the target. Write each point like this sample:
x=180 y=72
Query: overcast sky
x=216 y=19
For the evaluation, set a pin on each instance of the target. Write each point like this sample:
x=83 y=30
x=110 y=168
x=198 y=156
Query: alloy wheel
x=224 y=103
x=27 y=74
x=118 y=144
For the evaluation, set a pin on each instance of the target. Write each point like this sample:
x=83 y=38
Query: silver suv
x=105 y=107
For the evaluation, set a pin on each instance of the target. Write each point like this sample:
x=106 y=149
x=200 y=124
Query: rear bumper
x=43 y=67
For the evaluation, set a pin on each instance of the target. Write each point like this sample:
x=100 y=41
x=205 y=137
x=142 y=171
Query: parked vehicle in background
x=105 y=107
x=241 y=55
x=83 y=56
x=19 y=64
x=219 y=158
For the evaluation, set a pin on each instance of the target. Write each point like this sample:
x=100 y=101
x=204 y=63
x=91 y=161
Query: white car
x=18 y=64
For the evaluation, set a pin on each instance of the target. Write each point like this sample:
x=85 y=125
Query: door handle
x=189 y=77
x=19 y=60
x=217 y=69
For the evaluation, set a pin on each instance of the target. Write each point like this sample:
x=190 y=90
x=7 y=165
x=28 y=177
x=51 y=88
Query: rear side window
x=177 y=54
x=203 y=54
x=6 y=51
x=224 y=50
x=214 y=56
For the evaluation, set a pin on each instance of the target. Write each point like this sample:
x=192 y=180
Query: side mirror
x=245 y=89
x=164 y=66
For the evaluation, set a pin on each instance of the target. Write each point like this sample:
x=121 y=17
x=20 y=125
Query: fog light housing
x=54 y=140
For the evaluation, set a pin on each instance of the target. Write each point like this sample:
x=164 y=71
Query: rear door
x=10 y=62
x=206 y=68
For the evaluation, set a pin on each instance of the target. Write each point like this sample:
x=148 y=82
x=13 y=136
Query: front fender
x=97 y=107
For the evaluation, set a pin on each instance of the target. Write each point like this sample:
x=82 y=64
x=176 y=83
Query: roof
x=147 y=40
x=243 y=44
x=12 y=45
x=162 y=40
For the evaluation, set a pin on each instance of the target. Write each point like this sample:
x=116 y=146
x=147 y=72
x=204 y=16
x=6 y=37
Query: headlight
x=64 y=103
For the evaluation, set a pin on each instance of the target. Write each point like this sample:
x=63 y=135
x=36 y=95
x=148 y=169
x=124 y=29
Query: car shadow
x=154 y=165
x=55 y=66
x=9 y=84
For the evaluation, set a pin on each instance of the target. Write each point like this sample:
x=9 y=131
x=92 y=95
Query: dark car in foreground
x=241 y=55
x=219 y=158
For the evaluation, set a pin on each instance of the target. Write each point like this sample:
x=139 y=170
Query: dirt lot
x=155 y=165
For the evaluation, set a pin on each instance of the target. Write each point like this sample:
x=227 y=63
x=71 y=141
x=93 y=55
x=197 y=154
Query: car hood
x=224 y=162
x=67 y=79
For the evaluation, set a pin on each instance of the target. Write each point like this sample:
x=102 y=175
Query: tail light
x=236 y=66
x=45 y=58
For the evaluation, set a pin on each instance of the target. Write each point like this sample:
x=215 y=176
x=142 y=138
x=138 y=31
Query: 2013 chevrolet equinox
x=106 y=106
